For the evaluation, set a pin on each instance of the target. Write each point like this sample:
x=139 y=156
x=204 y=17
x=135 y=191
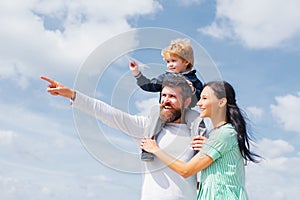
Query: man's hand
x=149 y=145
x=198 y=142
x=56 y=88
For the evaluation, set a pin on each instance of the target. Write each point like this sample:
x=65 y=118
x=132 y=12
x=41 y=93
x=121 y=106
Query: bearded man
x=159 y=182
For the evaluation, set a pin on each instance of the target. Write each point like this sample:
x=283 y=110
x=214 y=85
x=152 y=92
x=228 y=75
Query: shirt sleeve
x=150 y=85
x=132 y=125
x=219 y=142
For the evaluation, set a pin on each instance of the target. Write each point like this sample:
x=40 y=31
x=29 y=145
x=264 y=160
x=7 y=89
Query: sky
x=48 y=150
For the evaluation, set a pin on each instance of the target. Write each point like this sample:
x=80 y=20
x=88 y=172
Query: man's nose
x=165 y=99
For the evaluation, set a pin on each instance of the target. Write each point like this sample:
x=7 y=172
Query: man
x=160 y=182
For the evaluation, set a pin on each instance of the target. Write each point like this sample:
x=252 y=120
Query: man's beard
x=169 y=115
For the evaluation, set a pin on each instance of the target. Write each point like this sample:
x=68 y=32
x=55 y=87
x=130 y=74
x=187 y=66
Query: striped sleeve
x=219 y=142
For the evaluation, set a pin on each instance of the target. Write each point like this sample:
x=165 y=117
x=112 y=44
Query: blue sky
x=254 y=44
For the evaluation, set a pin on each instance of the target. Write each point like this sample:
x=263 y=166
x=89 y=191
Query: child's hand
x=133 y=66
x=191 y=85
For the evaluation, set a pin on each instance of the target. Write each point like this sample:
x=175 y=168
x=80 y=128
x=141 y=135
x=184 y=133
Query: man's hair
x=179 y=81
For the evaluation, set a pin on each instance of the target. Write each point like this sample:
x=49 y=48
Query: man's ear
x=222 y=102
x=187 y=102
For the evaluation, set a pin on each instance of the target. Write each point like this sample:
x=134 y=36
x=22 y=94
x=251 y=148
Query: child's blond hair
x=181 y=48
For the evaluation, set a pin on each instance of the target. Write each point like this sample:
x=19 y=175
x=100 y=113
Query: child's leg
x=197 y=126
x=190 y=116
x=154 y=127
x=155 y=123
x=195 y=123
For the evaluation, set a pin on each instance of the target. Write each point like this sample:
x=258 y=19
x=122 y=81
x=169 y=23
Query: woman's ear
x=222 y=102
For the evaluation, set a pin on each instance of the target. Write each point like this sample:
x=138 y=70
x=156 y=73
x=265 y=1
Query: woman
x=227 y=149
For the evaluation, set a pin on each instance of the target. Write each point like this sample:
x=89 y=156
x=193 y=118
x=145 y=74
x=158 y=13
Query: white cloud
x=255 y=113
x=216 y=30
x=52 y=185
x=42 y=159
x=276 y=177
x=33 y=137
x=144 y=107
x=6 y=137
x=27 y=120
x=286 y=112
x=255 y=22
x=56 y=36
x=189 y=2
x=274 y=148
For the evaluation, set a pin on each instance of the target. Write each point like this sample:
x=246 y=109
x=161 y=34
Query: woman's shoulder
x=228 y=133
x=225 y=132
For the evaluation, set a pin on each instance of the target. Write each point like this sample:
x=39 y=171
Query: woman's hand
x=149 y=145
x=198 y=142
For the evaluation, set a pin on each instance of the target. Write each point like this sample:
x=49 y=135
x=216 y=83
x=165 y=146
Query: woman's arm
x=199 y=162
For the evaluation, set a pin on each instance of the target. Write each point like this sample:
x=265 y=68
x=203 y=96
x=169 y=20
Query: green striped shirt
x=224 y=179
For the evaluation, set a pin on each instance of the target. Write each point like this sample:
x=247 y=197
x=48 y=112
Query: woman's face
x=208 y=103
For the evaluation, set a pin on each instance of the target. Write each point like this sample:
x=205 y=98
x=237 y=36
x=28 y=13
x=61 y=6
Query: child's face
x=176 y=64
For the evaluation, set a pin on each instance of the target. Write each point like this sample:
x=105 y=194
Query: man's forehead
x=172 y=90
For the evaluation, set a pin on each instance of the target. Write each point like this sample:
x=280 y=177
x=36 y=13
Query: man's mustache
x=166 y=105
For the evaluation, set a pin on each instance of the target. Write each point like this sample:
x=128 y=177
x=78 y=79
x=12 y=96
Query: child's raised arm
x=133 y=66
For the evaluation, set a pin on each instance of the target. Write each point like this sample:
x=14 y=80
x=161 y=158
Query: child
x=179 y=57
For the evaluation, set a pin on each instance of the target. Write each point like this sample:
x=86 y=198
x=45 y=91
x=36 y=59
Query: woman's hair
x=234 y=116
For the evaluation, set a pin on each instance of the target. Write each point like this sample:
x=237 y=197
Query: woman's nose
x=199 y=103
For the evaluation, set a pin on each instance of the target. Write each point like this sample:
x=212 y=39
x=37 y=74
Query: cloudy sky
x=46 y=153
